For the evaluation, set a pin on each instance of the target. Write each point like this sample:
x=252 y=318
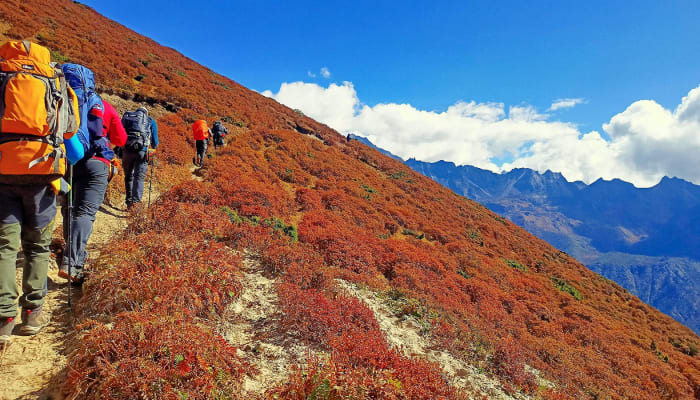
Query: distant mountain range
x=647 y=240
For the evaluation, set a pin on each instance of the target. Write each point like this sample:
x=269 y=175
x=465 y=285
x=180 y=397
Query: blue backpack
x=138 y=130
x=82 y=80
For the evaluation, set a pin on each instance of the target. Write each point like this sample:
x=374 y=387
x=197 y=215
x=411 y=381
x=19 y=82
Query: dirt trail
x=252 y=327
x=196 y=173
x=34 y=366
x=31 y=364
x=405 y=335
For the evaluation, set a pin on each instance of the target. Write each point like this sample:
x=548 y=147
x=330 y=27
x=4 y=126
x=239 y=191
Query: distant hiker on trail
x=90 y=175
x=219 y=132
x=201 y=133
x=32 y=162
x=141 y=143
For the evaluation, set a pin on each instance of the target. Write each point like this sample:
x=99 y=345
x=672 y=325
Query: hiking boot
x=31 y=323
x=6 y=327
x=76 y=274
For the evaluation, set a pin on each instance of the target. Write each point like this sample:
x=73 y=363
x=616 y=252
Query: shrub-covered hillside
x=315 y=209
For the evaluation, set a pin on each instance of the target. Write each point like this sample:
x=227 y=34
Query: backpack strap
x=27 y=46
x=66 y=113
x=57 y=154
x=18 y=137
x=5 y=76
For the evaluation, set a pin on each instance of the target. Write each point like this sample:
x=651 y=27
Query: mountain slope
x=666 y=283
x=587 y=221
x=314 y=210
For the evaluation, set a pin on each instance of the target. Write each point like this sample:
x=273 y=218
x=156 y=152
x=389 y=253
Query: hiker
x=219 y=132
x=112 y=126
x=201 y=133
x=141 y=144
x=90 y=175
x=113 y=130
x=29 y=185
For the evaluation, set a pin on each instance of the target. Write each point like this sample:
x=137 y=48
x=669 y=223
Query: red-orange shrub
x=142 y=356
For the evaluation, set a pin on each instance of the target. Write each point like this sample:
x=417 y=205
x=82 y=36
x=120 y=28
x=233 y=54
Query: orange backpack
x=200 y=130
x=38 y=113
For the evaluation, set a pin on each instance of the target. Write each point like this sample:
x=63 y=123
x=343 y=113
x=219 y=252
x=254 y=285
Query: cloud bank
x=646 y=142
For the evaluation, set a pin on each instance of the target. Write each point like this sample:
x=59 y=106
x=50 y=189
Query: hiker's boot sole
x=31 y=322
x=26 y=330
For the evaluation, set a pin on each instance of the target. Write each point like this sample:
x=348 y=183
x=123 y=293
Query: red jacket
x=112 y=127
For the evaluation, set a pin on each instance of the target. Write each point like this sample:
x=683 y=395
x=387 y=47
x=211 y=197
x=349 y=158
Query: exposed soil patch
x=252 y=326
x=405 y=335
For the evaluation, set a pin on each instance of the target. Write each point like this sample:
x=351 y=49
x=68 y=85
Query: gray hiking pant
x=26 y=216
x=201 y=149
x=135 y=169
x=218 y=140
x=89 y=187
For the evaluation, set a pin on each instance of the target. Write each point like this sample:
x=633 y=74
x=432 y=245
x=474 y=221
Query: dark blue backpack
x=82 y=81
x=138 y=130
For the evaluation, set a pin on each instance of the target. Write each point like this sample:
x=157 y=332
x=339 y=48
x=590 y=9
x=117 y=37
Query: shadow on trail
x=111 y=213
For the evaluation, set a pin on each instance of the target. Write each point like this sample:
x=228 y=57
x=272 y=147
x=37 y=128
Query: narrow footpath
x=32 y=364
x=33 y=367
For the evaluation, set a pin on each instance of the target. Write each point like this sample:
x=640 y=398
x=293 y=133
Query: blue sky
x=431 y=54
x=435 y=54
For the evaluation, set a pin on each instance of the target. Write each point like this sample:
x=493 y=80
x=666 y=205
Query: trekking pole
x=69 y=215
x=150 y=181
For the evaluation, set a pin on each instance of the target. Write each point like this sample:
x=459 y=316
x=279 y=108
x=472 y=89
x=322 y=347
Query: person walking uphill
x=39 y=113
x=113 y=130
x=219 y=132
x=141 y=143
x=201 y=133
x=90 y=174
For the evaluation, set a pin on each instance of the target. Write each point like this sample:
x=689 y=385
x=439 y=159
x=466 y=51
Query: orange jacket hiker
x=200 y=130
x=38 y=114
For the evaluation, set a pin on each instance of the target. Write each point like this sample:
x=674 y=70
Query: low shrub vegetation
x=151 y=307
x=565 y=287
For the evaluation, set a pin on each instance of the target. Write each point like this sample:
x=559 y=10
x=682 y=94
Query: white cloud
x=565 y=103
x=335 y=105
x=525 y=113
x=310 y=74
x=646 y=140
x=325 y=72
x=489 y=112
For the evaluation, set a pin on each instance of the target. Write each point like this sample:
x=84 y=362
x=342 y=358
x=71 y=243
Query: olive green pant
x=35 y=246
x=26 y=217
